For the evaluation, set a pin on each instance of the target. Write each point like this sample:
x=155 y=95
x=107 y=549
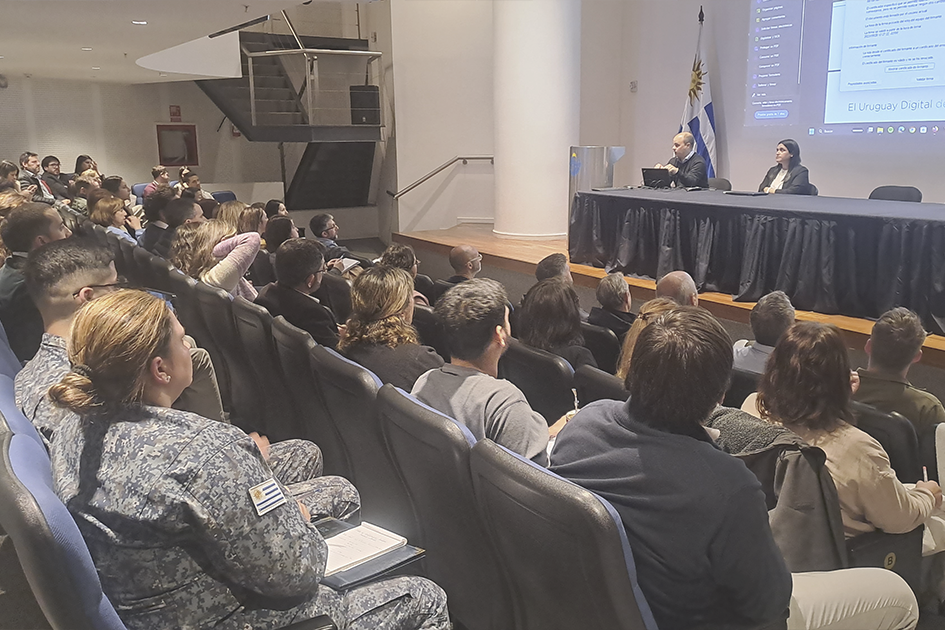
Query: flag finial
x=701 y=15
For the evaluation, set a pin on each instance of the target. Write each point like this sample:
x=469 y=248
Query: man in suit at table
x=686 y=167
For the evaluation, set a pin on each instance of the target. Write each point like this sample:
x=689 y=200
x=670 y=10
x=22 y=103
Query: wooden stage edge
x=521 y=256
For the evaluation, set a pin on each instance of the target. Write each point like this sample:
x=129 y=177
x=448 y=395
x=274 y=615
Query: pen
x=925 y=474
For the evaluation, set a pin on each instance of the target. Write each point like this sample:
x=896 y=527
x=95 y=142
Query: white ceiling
x=44 y=38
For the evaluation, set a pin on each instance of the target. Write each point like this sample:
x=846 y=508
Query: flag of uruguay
x=267 y=496
x=698 y=117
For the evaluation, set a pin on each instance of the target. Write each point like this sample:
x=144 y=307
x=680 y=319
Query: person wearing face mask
x=787 y=176
x=686 y=167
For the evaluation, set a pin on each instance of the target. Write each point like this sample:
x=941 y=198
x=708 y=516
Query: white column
x=537 y=59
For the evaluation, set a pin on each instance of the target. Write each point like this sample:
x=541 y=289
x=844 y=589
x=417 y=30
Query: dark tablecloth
x=832 y=255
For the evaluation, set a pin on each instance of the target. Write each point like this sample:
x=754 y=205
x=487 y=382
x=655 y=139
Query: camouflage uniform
x=162 y=499
x=45 y=369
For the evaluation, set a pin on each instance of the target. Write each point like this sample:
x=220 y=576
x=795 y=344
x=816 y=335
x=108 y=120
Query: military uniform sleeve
x=277 y=554
x=512 y=423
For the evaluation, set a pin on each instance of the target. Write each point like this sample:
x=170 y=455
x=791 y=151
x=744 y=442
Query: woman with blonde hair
x=166 y=497
x=229 y=212
x=209 y=252
x=380 y=335
x=252 y=220
x=111 y=214
x=648 y=313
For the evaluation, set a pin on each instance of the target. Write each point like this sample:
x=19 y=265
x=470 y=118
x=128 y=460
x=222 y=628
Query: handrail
x=465 y=159
x=313 y=51
x=285 y=16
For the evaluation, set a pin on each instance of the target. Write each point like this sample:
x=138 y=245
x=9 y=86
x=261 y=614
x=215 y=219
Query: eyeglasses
x=121 y=283
x=324 y=269
x=476 y=259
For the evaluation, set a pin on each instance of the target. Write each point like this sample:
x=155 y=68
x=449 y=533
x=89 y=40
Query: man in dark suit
x=686 y=167
x=57 y=181
x=300 y=266
x=31 y=181
x=613 y=293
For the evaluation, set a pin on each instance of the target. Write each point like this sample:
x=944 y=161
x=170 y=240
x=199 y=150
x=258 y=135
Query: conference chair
x=603 y=344
x=350 y=394
x=742 y=385
x=216 y=308
x=11 y=418
x=50 y=546
x=431 y=452
x=222 y=196
x=593 y=384
x=424 y=284
x=147 y=273
x=563 y=548
x=125 y=263
x=100 y=234
x=281 y=418
x=293 y=347
x=138 y=191
x=928 y=450
x=113 y=243
x=9 y=364
x=430 y=331
x=546 y=379
x=160 y=269
x=814 y=191
x=897 y=437
x=719 y=183
x=897 y=193
x=335 y=294
x=439 y=288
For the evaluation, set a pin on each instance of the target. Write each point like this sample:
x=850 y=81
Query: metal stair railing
x=465 y=159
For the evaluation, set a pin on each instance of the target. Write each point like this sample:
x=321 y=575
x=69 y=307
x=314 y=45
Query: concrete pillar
x=537 y=70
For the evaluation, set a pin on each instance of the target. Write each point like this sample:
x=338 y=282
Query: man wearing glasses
x=466 y=262
x=58 y=182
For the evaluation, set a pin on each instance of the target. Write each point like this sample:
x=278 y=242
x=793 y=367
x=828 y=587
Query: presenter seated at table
x=787 y=176
x=686 y=167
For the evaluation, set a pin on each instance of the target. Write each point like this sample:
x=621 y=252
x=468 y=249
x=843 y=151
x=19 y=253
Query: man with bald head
x=679 y=287
x=686 y=167
x=466 y=262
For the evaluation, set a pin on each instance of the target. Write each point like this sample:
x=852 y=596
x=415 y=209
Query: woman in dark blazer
x=787 y=176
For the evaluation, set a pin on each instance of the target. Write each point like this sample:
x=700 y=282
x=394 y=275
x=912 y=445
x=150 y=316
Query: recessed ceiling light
x=163 y=74
x=139 y=22
x=86 y=49
x=95 y=68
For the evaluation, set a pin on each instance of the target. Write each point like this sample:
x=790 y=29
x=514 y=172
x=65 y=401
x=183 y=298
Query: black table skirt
x=837 y=256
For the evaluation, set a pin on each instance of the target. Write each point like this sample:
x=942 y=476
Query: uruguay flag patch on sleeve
x=266 y=497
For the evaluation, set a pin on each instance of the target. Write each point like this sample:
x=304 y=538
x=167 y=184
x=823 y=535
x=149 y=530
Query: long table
x=832 y=255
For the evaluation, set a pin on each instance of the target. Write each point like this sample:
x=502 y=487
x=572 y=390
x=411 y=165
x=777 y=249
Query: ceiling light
x=86 y=49
x=139 y=22
x=95 y=68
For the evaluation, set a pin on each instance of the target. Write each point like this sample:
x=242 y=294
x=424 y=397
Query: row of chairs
x=221 y=196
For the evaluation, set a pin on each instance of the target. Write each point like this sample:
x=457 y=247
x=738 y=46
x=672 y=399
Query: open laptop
x=657 y=178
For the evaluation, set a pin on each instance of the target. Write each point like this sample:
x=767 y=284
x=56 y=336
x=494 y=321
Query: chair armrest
x=322 y=622
x=900 y=553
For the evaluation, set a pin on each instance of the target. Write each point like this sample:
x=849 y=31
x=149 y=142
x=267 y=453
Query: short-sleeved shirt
x=890 y=393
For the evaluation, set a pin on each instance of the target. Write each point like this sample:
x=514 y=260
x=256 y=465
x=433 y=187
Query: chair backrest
x=48 y=543
x=216 y=307
x=159 y=270
x=430 y=331
x=424 y=284
x=281 y=419
x=138 y=191
x=742 y=384
x=125 y=262
x=293 y=347
x=593 y=384
x=350 y=394
x=719 y=183
x=100 y=234
x=222 y=196
x=546 y=379
x=897 y=437
x=431 y=452
x=142 y=263
x=897 y=193
x=814 y=191
x=9 y=364
x=113 y=243
x=335 y=293
x=439 y=288
x=564 y=549
x=603 y=344
x=11 y=417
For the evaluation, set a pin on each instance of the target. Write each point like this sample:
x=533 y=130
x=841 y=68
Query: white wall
x=115 y=125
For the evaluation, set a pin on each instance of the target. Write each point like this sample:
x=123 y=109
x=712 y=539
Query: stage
x=521 y=256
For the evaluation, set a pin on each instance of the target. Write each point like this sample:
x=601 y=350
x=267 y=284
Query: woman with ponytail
x=187 y=521
x=380 y=335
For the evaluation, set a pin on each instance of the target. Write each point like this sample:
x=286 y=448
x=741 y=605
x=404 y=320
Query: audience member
x=83 y=187
x=554 y=266
x=111 y=214
x=160 y=177
x=770 y=318
x=211 y=253
x=279 y=229
x=209 y=207
x=153 y=208
x=27 y=227
x=30 y=179
x=186 y=500
x=895 y=344
x=84 y=163
x=680 y=287
x=118 y=187
x=475 y=317
x=403 y=257
x=686 y=167
x=648 y=314
x=300 y=265
x=695 y=517
x=466 y=262
x=380 y=335
x=93 y=176
x=191 y=181
x=229 y=212
x=9 y=174
x=94 y=196
x=252 y=220
x=275 y=207
x=57 y=181
x=550 y=319
x=10 y=199
x=613 y=293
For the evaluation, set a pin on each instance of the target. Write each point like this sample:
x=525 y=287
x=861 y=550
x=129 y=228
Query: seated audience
x=95 y=196
x=466 y=262
x=325 y=231
x=403 y=257
x=696 y=517
x=554 y=266
x=30 y=179
x=61 y=277
x=895 y=344
x=160 y=177
x=83 y=164
x=252 y=220
x=92 y=175
x=550 y=319
x=300 y=265
x=275 y=207
x=613 y=293
x=770 y=318
x=9 y=175
x=679 y=287
x=190 y=181
x=118 y=187
x=379 y=333
x=177 y=212
x=188 y=497
x=475 y=318
x=83 y=187
x=229 y=212
x=57 y=181
x=153 y=208
x=209 y=207
x=209 y=252
x=279 y=229
x=648 y=314
x=111 y=214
